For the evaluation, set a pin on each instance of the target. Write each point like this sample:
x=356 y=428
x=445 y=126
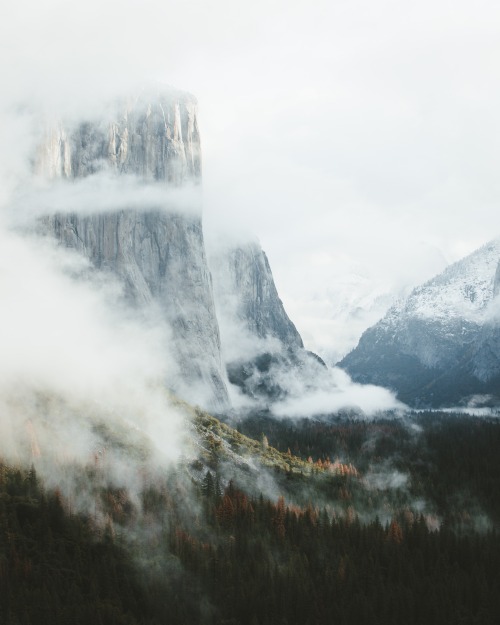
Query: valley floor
x=387 y=521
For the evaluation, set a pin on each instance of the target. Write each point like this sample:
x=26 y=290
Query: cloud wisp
x=103 y=192
x=309 y=396
x=72 y=359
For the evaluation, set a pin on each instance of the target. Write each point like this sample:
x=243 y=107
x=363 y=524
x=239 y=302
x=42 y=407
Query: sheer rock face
x=154 y=138
x=158 y=255
x=262 y=349
x=441 y=345
x=245 y=292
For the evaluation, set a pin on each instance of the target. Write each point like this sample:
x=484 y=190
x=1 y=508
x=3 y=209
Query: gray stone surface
x=155 y=137
x=245 y=291
x=158 y=254
x=262 y=349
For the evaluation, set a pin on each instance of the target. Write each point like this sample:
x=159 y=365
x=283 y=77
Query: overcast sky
x=358 y=139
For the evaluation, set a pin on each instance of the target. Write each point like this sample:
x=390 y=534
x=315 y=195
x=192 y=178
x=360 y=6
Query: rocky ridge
x=439 y=346
x=245 y=294
x=262 y=349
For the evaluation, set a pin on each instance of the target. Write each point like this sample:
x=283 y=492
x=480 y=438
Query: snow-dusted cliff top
x=462 y=290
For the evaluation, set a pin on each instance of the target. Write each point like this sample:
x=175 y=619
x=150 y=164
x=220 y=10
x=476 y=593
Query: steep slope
x=151 y=145
x=246 y=295
x=261 y=345
x=442 y=344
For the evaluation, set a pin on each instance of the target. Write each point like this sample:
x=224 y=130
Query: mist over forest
x=249 y=335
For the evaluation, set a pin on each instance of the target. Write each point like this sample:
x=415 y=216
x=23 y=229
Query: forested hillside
x=337 y=544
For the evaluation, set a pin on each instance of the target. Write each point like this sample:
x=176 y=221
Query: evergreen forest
x=374 y=522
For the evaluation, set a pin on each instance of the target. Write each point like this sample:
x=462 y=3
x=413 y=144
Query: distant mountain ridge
x=441 y=345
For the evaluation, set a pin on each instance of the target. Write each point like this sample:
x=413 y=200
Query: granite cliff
x=156 y=250
x=152 y=241
x=154 y=136
x=245 y=293
x=262 y=349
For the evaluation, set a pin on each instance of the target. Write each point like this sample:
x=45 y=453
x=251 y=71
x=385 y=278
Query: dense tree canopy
x=210 y=551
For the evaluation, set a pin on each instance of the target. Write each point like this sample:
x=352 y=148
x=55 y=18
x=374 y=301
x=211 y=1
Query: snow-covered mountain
x=441 y=345
x=352 y=305
x=343 y=293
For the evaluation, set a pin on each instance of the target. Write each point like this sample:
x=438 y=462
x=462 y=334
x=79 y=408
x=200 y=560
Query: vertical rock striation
x=156 y=250
x=154 y=137
x=245 y=293
x=262 y=349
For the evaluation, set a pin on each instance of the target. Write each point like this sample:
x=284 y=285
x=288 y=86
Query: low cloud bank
x=103 y=192
x=334 y=392
x=294 y=383
x=73 y=362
